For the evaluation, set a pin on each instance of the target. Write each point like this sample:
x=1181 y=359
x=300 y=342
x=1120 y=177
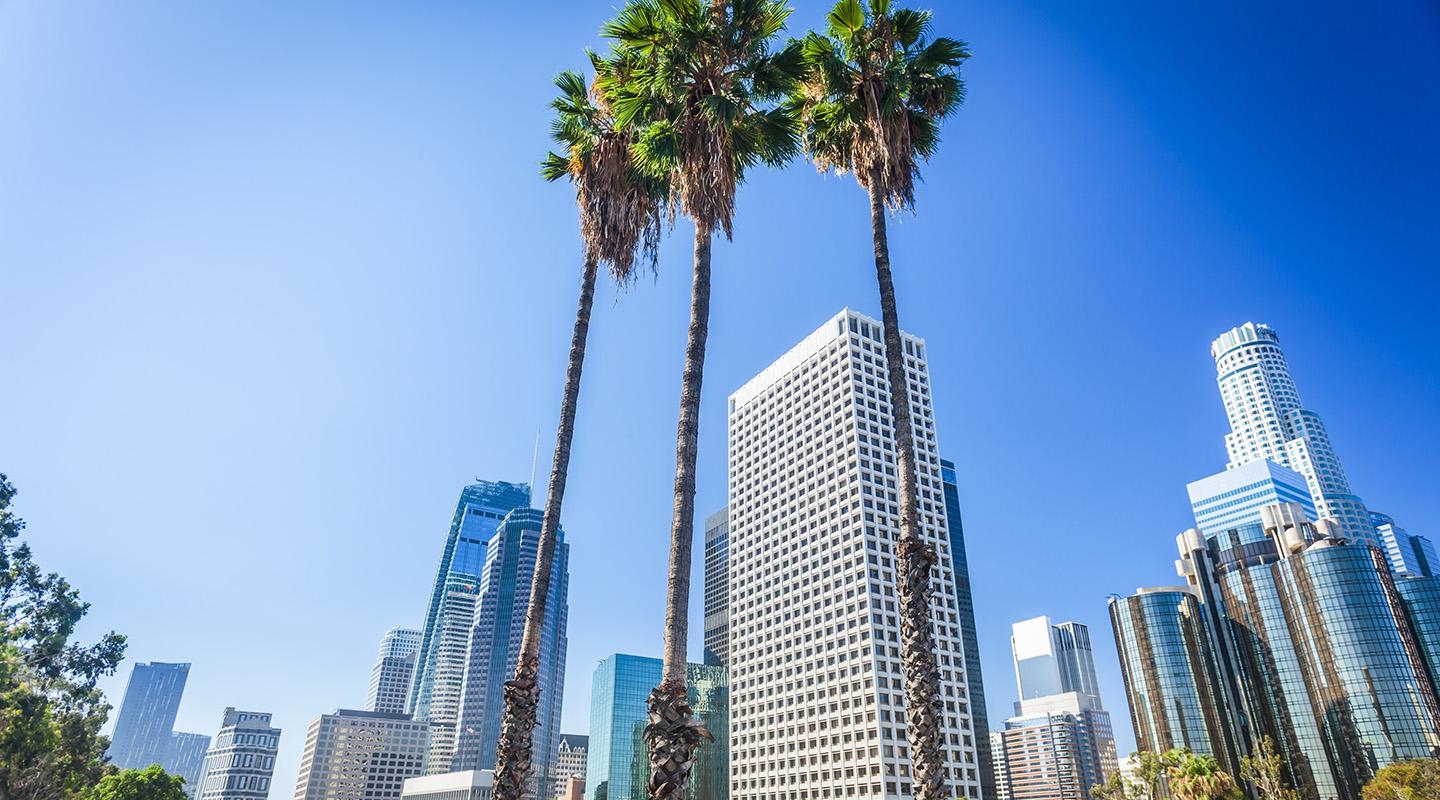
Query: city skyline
x=280 y=370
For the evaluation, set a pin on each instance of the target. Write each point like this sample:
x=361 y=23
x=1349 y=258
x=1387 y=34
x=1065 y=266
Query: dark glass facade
x=1421 y=597
x=979 y=717
x=1169 y=666
x=717 y=589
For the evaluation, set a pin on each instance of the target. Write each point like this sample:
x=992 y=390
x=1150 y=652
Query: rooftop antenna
x=535 y=456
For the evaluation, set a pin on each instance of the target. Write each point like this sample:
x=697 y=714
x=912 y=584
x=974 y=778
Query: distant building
x=241 y=759
x=1001 y=766
x=467 y=785
x=445 y=637
x=574 y=788
x=618 y=767
x=502 y=604
x=1409 y=555
x=1235 y=496
x=394 y=670
x=717 y=588
x=1048 y=756
x=360 y=755
x=979 y=716
x=1268 y=421
x=570 y=758
x=146 y=720
x=187 y=758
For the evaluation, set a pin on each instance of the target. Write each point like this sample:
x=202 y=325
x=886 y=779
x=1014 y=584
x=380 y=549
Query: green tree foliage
x=1417 y=779
x=50 y=708
x=1146 y=782
x=1264 y=771
x=1193 y=776
x=152 y=783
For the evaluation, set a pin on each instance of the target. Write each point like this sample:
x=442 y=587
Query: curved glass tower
x=1170 y=671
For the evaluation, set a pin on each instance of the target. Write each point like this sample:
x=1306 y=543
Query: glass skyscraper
x=144 y=728
x=444 y=638
x=504 y=597
x=618 y=766
x=394 y=668
x=1235 y=496
x=979 y=717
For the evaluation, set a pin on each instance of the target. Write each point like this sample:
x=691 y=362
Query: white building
x=241 y=759
x=360 y=755
x=394 y=669
x=1267 y=420
x=817 y=696
x=1234 y=497
x=1410 y=555
x=476 y=784
x=570 y=759
x=457 y=616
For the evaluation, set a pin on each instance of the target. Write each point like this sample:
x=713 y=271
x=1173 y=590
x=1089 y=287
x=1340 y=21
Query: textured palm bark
x=673 y=734
x=914 y=557
x=522 y=693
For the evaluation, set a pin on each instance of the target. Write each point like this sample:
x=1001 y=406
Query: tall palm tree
x=872 y=105
x=704 y=88
x=619 y=215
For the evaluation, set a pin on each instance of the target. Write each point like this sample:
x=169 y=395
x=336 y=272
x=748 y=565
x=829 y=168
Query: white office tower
x=360 y=755
x=394 y=669
x=241 y=759
x=817 y=694
x=1267 y=420
x=452 y=646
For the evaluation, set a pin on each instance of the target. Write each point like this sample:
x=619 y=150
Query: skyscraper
x=570 y=758
x=1059 y=744
x=813 y=521
x=146 y=720
x=241 y=760
x=717 y=588
x=504 y=597
x=1409 y=555
x=1267 y=420
x=444 y=640
x=394 y=669
x=360 y=755
x=187 y=759
x=979 y=717
x=618 y=767
x=1235 y=496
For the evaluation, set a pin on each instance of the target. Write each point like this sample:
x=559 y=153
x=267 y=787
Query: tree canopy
x=152 y=783
x=1416 y=779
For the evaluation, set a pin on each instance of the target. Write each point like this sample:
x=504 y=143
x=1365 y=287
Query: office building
x=1234 y=497
x=187 y=758
x=241 y=759
x=361 y=755
x=1409 y=555
x=494 y=647
x=1168 y=664
x=570 y=757
x=1001 y=766
x=1059 y=744
x=146 y=720
x=393 y=672
x=469 y=785
x=1421 y=598
x=813 y=523
x=979 y=717
x=617 y=767
x=445 y=638
x=1267 y=420
x=717 y=588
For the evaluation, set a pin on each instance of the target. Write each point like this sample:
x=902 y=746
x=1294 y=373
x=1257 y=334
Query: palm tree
x=872 y=106
x=703 y=88
x=1195 y=776
x=619 y=214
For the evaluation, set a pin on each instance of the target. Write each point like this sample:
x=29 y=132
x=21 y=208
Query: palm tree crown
x=703 y=89
x=619 y=205
x=877 y=91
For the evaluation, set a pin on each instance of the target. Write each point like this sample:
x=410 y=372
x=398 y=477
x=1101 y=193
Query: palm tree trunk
x=522 y=693
x=923 y=702
x=673 y=734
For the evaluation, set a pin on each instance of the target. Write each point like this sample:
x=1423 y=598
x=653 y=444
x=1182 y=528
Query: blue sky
x=277 y=279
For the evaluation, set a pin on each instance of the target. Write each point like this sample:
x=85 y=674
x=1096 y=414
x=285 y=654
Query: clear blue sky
x=277 y=279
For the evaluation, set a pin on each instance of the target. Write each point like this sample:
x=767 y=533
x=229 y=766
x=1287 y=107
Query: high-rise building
x=570 y=758
x=241 y=759
x=394 y=669
x=618 y=767
x=717 y=588
x=187 y=759
x=1169 y=666
x=979 y=717
x=503 y=602
x=1267 y=420
x=445 y=638
x=1320 y=648
x=813 y=522
x=1409 y=555
x=1001 y=765
x=361 y=755
x=1059 y=744
x=1235 y=496
x=146 y=720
